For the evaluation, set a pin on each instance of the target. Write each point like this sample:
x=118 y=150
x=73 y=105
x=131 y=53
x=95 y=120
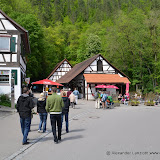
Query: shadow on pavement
x=76 y=130
x=63 y=139
x=72 y=138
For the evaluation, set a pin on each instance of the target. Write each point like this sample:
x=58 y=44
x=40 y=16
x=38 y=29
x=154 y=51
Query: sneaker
x=45 y=131
x=56 y=142
x=67 y=131
x=25 y=143
x=59 y=139
x=39 y=131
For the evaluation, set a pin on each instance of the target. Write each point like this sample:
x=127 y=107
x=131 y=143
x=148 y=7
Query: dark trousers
x=25 y=126
x=56 y=119
x=72 y=105
x=66 y=119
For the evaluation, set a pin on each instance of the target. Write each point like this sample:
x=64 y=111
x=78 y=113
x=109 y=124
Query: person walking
x=76 y=93
x=69 y=92
x=97 y=97
x=24 y=108
x=54 y=106
x=41 y=104
x=65 y=110
x=103 y=99
x=72 y=100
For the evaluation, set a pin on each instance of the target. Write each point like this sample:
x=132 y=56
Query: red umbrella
x=101 y=86
x=47 y=82
x=112 y=86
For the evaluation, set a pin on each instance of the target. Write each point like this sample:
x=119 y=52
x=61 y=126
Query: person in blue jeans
x=24 y=107
x=65 y=110
x=41 y=104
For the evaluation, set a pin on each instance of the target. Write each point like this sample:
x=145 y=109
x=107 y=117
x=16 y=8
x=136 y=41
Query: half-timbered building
x=91 y=72
x=14 y=44
x=60 y=70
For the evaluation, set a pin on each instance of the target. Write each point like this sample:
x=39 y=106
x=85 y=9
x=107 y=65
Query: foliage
x=150 y=97
x=134 y=103
x=5 y=100
x=125 y=32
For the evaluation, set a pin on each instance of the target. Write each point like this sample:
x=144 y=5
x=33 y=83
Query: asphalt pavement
x=122 y=133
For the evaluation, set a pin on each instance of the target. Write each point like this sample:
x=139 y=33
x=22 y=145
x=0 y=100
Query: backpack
x=110 y=98
x=104 y=97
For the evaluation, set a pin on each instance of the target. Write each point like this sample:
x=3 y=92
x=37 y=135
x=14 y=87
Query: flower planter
x=134 y=103
x=149 y=103
x=116 y=104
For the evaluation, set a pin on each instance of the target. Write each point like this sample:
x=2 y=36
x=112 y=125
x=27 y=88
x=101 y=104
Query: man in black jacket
x=24 y=107
x=65 y=109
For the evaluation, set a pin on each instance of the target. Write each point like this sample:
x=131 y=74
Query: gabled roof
x=80 y=67
x=105 y=78
x=77 y=69
x=57 y=66
x=17 y=26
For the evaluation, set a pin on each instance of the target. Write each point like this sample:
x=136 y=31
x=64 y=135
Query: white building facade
x=14 y=44
x=94 y=71
x=60 y=70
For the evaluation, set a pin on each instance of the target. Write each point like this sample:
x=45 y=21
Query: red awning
x=105 y=78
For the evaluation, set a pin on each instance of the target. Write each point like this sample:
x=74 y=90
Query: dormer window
x=99 y=65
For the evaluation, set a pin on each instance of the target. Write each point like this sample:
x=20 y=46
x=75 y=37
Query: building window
x=4 y=76
x=7 y=43
x=99 y=65
x=4 y=44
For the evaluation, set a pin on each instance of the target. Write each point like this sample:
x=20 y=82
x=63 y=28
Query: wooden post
x=87 y=92
x=83 y=88
x=121 y=89
x=12 y=93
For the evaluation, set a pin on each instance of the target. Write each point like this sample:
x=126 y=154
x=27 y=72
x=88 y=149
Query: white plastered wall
x=6 y=89
x=90 y=97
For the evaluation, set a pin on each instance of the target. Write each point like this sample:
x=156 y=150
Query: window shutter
x=13 y=44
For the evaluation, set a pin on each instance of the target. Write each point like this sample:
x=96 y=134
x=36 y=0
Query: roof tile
x=105 y=78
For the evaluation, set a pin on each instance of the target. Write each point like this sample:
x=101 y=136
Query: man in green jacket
x=54 y=106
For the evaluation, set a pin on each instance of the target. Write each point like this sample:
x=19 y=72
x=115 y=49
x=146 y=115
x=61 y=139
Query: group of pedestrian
x=56 y=105
x=102 y=98
x=123 y=99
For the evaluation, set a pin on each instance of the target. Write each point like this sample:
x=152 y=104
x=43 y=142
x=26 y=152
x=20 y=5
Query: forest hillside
x=125 y=32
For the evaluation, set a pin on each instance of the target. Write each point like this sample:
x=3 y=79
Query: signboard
x=27 y=80
x=4 y=72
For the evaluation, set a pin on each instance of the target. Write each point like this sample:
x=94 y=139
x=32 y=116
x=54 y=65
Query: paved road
x=121 y=133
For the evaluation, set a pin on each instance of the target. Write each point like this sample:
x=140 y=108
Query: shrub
x=5 y=100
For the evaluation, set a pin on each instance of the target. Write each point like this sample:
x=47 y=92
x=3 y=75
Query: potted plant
x=149 y=99
x=149 y=103
x=134 y=103
x=116 y=103
x=115 y=100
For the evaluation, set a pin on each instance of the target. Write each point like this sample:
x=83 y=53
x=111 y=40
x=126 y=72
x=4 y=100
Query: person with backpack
x=109 y=100
x=65 y=110
x=103 y=99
